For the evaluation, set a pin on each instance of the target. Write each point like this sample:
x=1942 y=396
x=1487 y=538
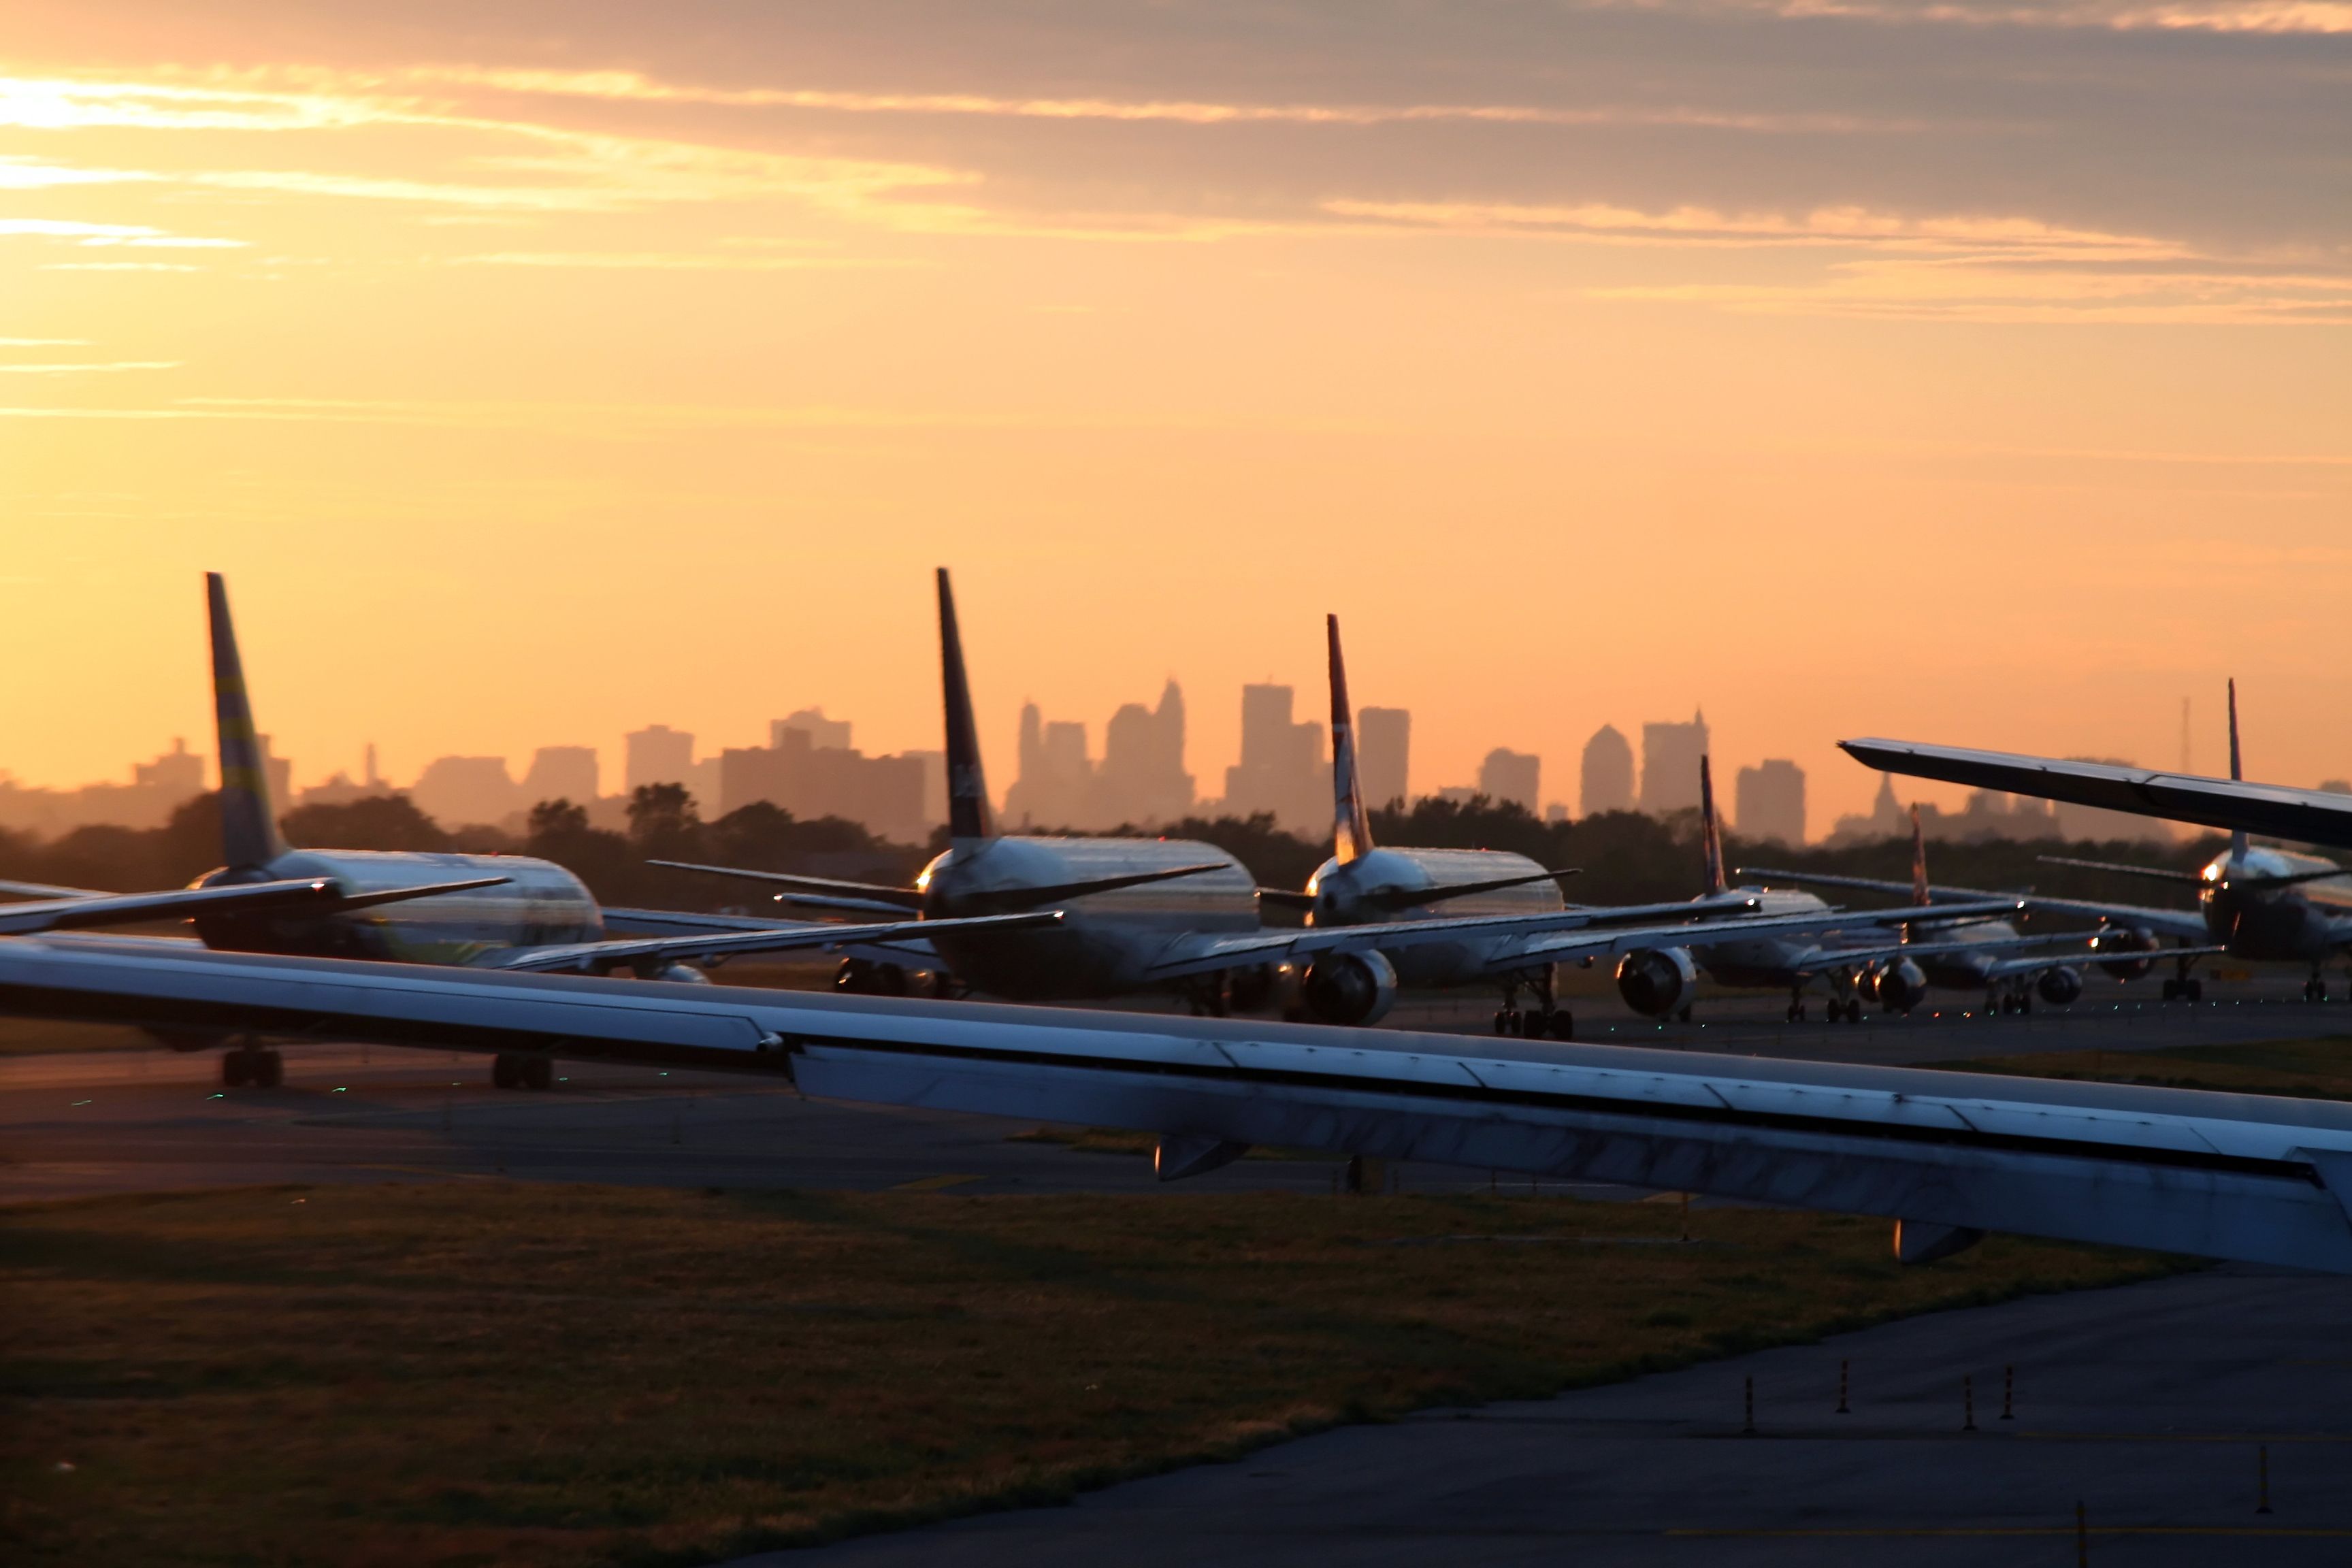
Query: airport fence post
x=2081 y=1538
x=2262 y=1472
x=1749 y=1428
x=1686 y=1217
x=1843 y=1368
x=2008 y=1394
x=1969 y=1402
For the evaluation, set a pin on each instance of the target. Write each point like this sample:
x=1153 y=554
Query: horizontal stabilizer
x=44 y=891
x=897 y=898
x=402 y=895
x=2152 y=873
x=1286 y=899
x=1031 y=898
x=596 y=957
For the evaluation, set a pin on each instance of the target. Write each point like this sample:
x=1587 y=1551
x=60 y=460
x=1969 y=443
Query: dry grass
x=489 y=1373
x=2311 y=1070
x=41 y=1037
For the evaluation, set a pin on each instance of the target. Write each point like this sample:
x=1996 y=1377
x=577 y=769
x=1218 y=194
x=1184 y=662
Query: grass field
x=40 y=1037
x=2316 y=1069
x=487 y=1373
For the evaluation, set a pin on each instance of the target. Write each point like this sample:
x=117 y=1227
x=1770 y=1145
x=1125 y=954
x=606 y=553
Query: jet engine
x=1900 y=986
x=1657 y=981
x=1350 y=988
x=867 y=977
x=2060 y=984
x=2137 y=943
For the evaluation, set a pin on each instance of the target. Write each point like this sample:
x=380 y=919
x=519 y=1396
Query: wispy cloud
x=684 y=262
x=137 y=235
x=89 y=369
x=2314 y=17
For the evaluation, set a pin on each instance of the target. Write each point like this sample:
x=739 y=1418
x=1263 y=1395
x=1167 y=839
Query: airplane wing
x=47 y=890
x=873 y=892
x=2258 y=1178
x=597 y=957
x=310 y=895
x=2189 y=925
x=2306 y=815
x=1583 y=945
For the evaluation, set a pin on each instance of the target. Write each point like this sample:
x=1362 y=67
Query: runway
x=2151 y=1405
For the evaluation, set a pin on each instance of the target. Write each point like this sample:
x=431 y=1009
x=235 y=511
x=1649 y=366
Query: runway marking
x=931 y=1184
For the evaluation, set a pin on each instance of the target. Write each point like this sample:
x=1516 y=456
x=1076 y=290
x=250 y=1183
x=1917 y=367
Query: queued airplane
x=1979 y=953
x=1138 y=914
x=496 y=911
x=1795 y=940
x=1365 y=884
x=2263 y=905
x=1948 y=1156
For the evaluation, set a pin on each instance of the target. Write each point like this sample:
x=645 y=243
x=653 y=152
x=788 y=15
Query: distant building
x=1670 y=754
x=1282 y=768
x=935 y=786
x=1556 y=812
x=178 y=776
x=1771 y=802
x=1989 y=814
x=1457 y=795
x=658 y=754
x=824 y=734
x=1057 y=775
x=1140 y=779
x=1513 y=776
x=458 y=791
x=1384 y=755
x=884 y=794
x=1607 y=782
x=562 y=772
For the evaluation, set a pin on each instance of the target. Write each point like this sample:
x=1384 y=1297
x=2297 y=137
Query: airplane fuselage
x=1373 y=888
x=1106 y=942
x=539 y=904
x=2306 y=922
x=1764 y=960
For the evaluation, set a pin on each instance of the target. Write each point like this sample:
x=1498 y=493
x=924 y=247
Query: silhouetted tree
x=376 y=822
x=663 y=822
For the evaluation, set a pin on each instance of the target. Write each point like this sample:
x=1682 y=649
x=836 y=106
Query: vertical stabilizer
x=249 y=828
x=1710 y=828
x=2236 y=772
x=1352 y=826
x=1920 y=893
x=968 y=815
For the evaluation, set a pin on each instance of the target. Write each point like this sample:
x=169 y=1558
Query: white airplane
x=1949 y=1156
x=1980 y=953
x=496 y=911
x=2259 y=904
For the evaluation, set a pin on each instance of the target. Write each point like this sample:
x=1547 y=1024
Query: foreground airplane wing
x=2306 y=815
x=1949 y=1155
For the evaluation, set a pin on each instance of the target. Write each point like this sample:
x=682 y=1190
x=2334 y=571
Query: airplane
x=1139 y=914
x=1364 y=884
x=1795 y=940
x=499 y=911
x=2260 y=904
x=1948 y=1156
x=1979 y=953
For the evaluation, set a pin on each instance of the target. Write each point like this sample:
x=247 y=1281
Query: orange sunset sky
x=1968 y=372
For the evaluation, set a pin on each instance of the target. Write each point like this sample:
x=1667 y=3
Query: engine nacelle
x=2136 y=944
x=867 y=977
x=1657 y=981
x=1350 y=988
x=1900 y=986
x=2060 y=985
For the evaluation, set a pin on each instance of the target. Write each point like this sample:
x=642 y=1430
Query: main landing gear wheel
x=1683 y=1016
x=251 y=1064
x=2315 y=989
x=1506 y=1020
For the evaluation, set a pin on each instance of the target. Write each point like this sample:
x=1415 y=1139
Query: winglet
x=249 y=834
x=968 y=815
x=1352 y=828
x=1710 y=828
x=1920 y=893
x=2237 y=774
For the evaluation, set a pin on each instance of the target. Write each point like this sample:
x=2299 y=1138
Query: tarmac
x=2157 y=1409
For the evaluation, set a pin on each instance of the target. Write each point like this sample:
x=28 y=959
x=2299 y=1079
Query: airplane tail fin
x=1919 y=888
x=968 y=815
x=1351 y=826
x=2237 y=774
x=249 y=834
x=1710 y=828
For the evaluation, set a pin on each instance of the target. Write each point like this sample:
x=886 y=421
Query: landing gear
x=865 y=978
x=252 y=1065
x=2315 y=989
x=1546 y=1020
x=1211 y=996
x=1683 y=1016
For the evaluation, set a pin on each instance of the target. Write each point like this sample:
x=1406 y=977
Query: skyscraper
x=1771 y=802
x=1142 y=779
x=562 y=772
x=660 y=755
x=1282 y=768
x=1384 y=755
x=1608 y=771
x=1670 y=754
x=1513 y=776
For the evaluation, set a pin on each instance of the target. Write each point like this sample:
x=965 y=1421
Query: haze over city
x=1594 y=363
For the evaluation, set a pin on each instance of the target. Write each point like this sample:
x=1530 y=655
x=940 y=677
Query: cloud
x=87 y=369
x=675 y=261
x=2276 y=16
x=137 y=235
